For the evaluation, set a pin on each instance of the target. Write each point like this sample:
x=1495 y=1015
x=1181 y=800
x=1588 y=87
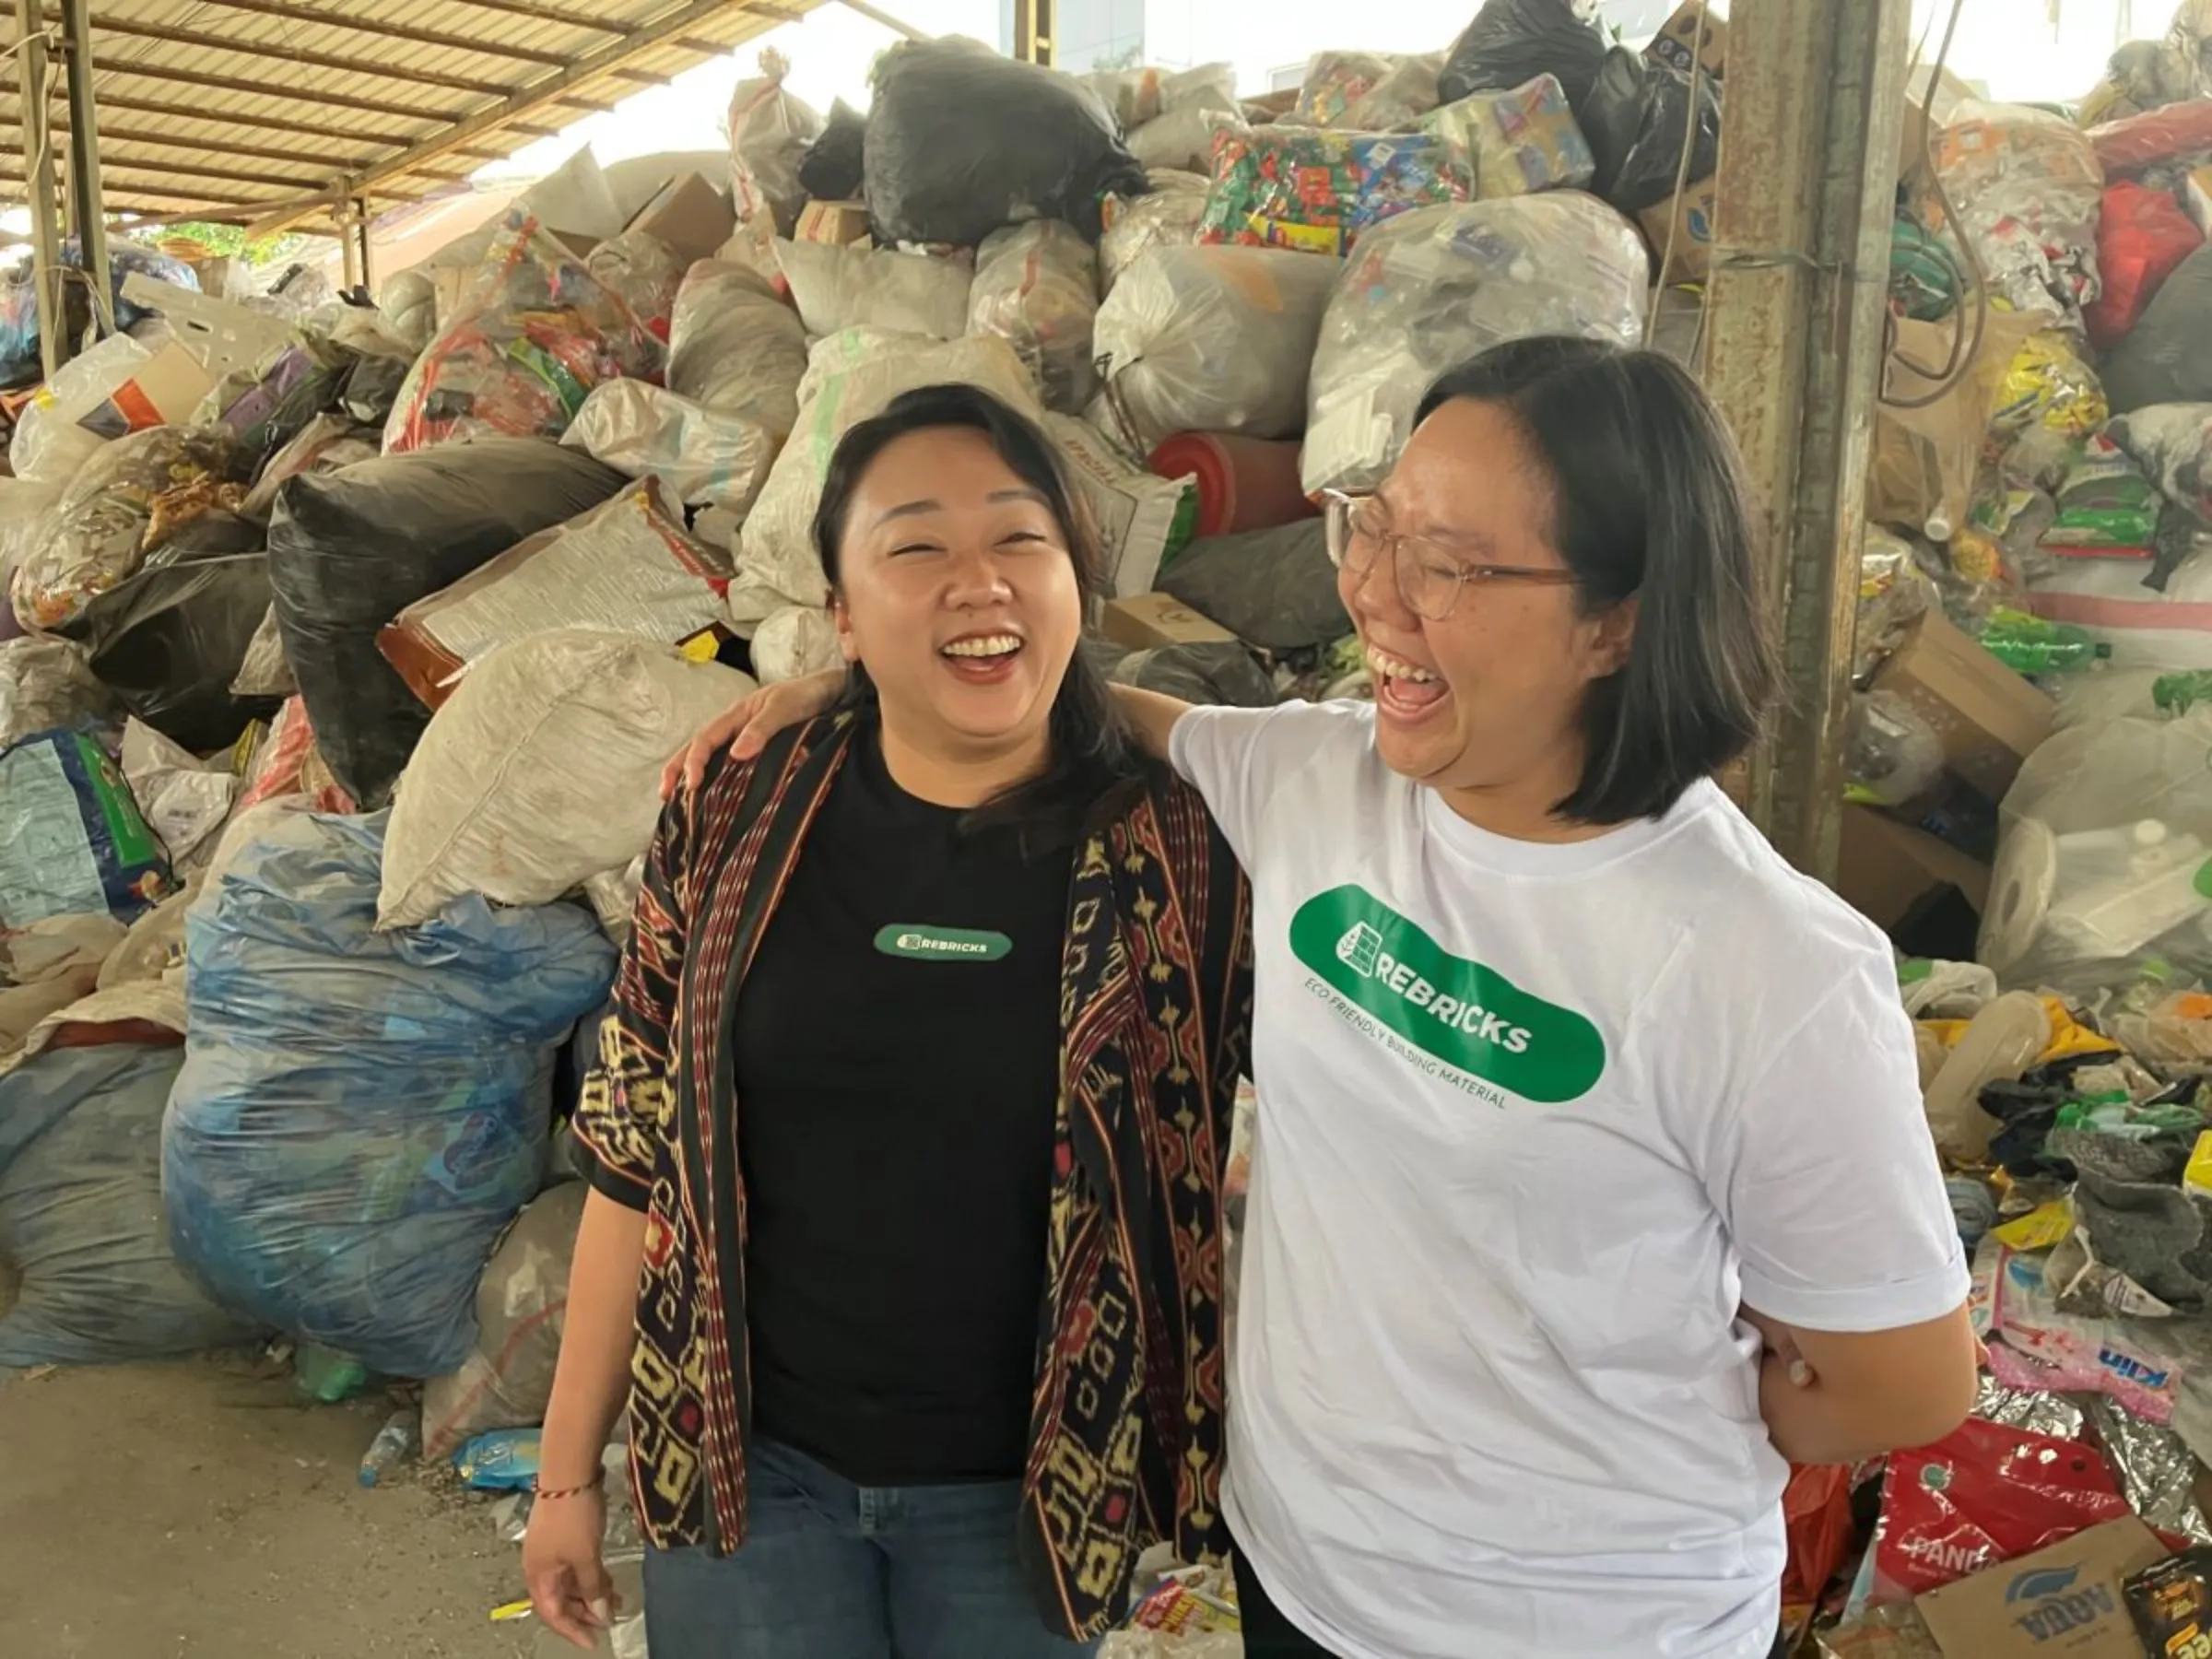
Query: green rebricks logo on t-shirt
x=927 y=944
x=1471 y=1017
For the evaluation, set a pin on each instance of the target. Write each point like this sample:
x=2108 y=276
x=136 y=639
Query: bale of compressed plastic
x=507 y=1379
x=81 y=1217
x=47 y=684
x=1512 y=41
x=1037 y=288
x=534 y=334
x=643 y=272
x=542 y=769
x=361 y=1114
x=1213 y=339
x=1429 y=291
x=1168 y=217
x=706 y=458
x=2168 y=357
x=73 y=841
x=771 y=132
x=857 y=286
x=349 y=550
x=961 y=142
x=2028 y=193
x=734 y=347
x=129 y=499
x=627 y=567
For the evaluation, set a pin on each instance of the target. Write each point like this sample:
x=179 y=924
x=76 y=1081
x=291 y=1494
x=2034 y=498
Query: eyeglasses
x=1429 y=578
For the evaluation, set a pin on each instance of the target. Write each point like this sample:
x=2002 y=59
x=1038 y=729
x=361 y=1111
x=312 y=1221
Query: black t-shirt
x=896 y=1049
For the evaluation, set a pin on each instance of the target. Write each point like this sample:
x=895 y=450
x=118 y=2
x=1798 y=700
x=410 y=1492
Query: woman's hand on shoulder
x=745 y=727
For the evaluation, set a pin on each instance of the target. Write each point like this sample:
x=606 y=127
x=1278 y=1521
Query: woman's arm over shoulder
x=1236 y=759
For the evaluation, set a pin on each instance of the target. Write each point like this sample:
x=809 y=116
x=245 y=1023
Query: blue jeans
x=833 y=1570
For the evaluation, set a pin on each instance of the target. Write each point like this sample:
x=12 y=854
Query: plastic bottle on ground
x=393 y=1441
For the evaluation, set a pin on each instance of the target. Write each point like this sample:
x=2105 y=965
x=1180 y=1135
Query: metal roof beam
x=112 y=133
x=9 y=176
x=514 y=51
x=270 y=123
x=591 y=65
x=287 y=94
x=277 y=52
x=415 y=32
x=113 y=164
x=567 y=19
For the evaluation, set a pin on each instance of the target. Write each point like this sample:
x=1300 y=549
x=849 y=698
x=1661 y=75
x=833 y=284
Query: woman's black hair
x=1095 y=754
x=1647 y=503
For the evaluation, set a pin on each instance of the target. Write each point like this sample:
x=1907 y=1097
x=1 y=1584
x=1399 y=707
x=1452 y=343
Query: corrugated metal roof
x=252 y=110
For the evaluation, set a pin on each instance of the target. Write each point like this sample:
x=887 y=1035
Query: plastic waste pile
x=2028 y=737
x=344 y=640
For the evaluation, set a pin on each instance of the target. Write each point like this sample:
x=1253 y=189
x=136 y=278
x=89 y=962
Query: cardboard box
x=2064 y=1601
x=1889 y=870
x=1688 y=217
x=1677 y=41
x=1148 y=620
x=1988 y=719
x=692 y=216
x=839 y=224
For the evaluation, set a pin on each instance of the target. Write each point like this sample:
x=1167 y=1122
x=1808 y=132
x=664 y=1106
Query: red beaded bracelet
x=591 y=1485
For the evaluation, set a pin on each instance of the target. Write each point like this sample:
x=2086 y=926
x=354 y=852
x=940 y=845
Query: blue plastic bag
x=21 y=361
x=360 y=1113
x=71 y=838
x=500 y=1460
x=81 y=1219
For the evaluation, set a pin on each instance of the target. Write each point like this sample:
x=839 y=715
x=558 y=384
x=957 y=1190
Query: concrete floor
x=197 y=1510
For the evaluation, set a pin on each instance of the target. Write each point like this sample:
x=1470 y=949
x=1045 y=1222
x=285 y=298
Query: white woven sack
x=543 y=770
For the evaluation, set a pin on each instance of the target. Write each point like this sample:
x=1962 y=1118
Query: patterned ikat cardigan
x=1125 y=1443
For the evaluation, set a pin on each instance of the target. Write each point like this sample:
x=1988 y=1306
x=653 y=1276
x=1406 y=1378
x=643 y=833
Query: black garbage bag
x=831 y=169
x=962 y=142
x=1512 y=41
x=1611 y=116
x=1637 y=119
x=349 y=550
x=1220 y=674
x=372 y=389
x=2168 y=359
x=1275 y=589
x=169 y=639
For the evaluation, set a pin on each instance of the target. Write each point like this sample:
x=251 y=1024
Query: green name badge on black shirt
x=922 y=944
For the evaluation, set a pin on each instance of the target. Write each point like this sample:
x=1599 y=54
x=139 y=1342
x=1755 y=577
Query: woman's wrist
x=548 y=1488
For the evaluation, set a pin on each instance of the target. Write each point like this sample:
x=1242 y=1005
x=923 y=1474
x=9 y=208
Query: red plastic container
x=1243 y=483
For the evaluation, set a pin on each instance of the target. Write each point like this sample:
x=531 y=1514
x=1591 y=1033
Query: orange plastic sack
x=2142 y=235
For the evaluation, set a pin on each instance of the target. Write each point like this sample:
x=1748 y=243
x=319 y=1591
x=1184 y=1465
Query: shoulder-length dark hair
x=1095 y=757
x=1647 y=503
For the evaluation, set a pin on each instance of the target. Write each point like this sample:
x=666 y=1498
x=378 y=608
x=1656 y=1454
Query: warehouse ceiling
x=274 y=112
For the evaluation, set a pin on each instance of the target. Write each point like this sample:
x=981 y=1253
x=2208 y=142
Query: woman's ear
x=847 y=645
x=1615 y=638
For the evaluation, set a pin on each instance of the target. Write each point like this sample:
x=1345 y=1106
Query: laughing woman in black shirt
x=906 y=1146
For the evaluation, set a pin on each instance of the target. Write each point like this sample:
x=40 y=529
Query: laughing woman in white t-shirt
x=1568 y=1086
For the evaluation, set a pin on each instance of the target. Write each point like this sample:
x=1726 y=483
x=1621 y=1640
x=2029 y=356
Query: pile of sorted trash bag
x=361 y=1112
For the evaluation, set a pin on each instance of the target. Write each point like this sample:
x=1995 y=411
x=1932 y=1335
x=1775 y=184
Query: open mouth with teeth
x=1405 y=690
x=982 y=658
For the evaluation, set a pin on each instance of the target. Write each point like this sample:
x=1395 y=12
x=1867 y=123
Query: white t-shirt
x=1533 y=1120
